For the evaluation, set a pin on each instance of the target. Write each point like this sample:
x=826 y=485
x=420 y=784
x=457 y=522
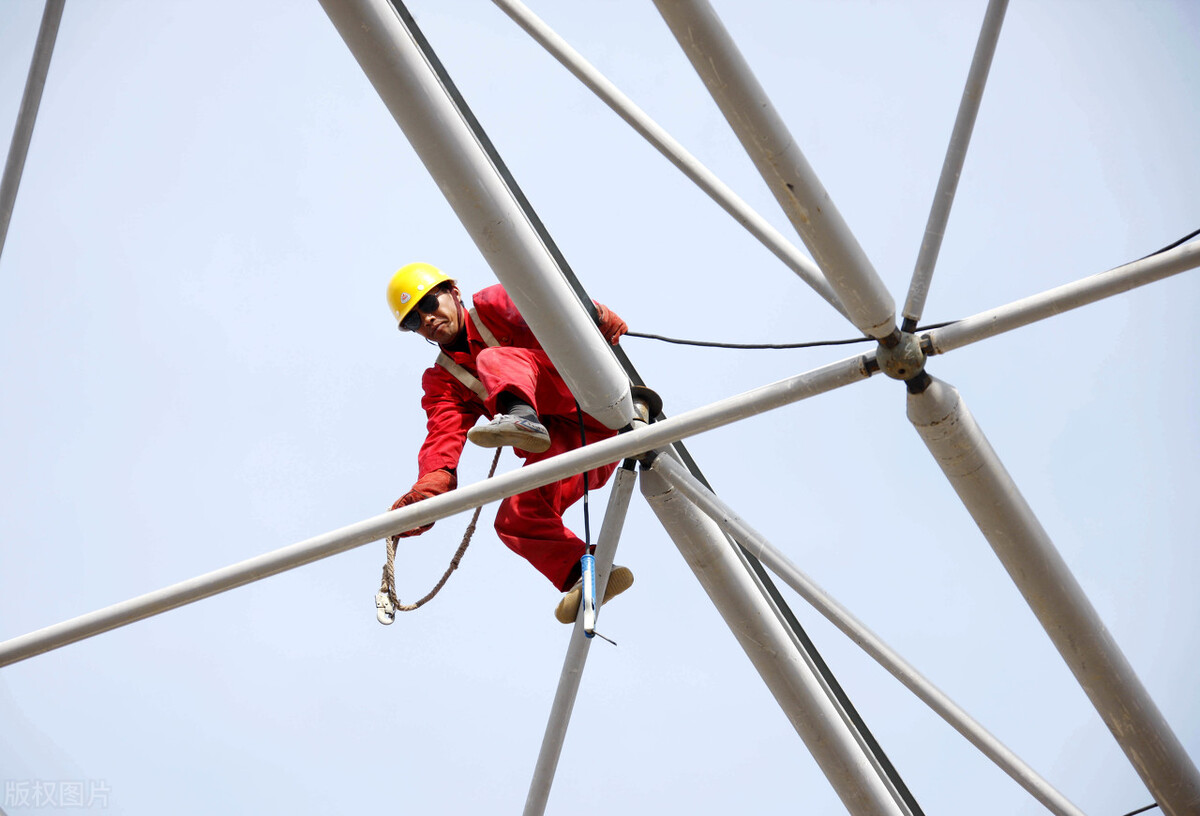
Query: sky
x=199 y=366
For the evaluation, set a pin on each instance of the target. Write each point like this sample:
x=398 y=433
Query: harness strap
x=483 y=330
x=461 y=374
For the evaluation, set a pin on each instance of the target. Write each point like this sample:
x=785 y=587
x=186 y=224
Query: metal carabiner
x=385 y=610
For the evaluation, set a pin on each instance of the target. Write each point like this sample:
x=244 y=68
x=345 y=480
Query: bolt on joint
x=903 y=359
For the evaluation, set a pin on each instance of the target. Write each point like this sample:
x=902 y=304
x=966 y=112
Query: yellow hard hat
x=411 y=283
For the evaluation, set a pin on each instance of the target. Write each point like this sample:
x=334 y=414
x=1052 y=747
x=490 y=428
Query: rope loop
x=387 y=585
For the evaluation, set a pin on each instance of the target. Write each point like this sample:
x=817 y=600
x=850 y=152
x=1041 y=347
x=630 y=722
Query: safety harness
x=461 y=374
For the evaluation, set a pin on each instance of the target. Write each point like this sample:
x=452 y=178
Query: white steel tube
x=614 y=449
x=956 y=154
x=787 y=172
x=390 y=54
x=652 y=132
x=769 y=644
x=1056 y=598
x=31 y=100
x=1062 y=299
x=884 y=655
x=577 y=649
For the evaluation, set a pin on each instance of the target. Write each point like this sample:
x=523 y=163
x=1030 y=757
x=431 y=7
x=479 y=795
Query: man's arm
x=610 y=323
x=496 y=308
x=451 y=410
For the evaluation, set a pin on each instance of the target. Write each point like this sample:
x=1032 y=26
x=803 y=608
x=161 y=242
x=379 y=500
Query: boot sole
x=486 y=437
x=567 y=610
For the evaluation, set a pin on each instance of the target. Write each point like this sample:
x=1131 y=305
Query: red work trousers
x=530 y=523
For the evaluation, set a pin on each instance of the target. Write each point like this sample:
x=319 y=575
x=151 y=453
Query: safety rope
x=388 y=583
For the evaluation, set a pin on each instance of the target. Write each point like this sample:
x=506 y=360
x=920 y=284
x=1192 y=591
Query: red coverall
x=530 y=523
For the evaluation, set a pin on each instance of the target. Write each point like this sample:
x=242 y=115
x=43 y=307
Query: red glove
x=611 y=325
x=434 y=483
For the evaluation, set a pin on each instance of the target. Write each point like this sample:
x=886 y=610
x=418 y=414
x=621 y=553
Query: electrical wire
x=587 y=523
x=1147 y=807
x=711 y=344
x=1180 y=242
x=756 y=346
x=819 y=343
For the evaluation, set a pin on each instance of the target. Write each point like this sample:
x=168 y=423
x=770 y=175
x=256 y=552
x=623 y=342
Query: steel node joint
x=647 y=404
x=900 y=356
x=647 y=408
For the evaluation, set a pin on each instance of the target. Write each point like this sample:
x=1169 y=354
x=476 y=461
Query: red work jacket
x=452 y=408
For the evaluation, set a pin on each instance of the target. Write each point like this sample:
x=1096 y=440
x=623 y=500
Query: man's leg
x=514 y=379
x=531 y=524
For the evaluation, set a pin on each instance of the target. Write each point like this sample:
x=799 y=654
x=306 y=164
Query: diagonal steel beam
x=394 y=55
x=650 y=130
x=956 y=154
x=839 y=616
x=787 y=172
x=1061 y=299
x=811 y=707
x=1056 y=598
x=578 y=648
x=31 y=100
x=614 y=449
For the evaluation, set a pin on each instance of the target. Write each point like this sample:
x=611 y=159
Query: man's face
x=443 y=325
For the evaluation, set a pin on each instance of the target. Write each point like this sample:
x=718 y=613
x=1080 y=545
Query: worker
x=492 y=366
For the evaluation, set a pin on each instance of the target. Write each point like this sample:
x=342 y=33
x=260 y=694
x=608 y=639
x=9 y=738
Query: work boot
x=619 y=580
x=509 y=429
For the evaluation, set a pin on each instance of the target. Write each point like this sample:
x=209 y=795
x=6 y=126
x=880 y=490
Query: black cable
x=754 y=346
x=747 y=345
x=1150 y=807
x=587 y=524
x=1180 y=242
x=818 y=343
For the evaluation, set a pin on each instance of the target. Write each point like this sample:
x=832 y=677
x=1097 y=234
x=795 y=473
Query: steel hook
x=385 y=610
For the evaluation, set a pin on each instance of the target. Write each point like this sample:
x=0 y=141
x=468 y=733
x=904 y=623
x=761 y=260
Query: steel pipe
x=787 y=172
x=652 y=132
x=1056 y=598
x=1062 y=299
x=614 y=449
x=771 y=647
x=389 y=48
x=756 y=544
x=956 y=154
x=31 y=100
x=577 y=649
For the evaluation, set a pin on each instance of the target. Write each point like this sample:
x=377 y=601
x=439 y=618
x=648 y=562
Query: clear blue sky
x=198 y=366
